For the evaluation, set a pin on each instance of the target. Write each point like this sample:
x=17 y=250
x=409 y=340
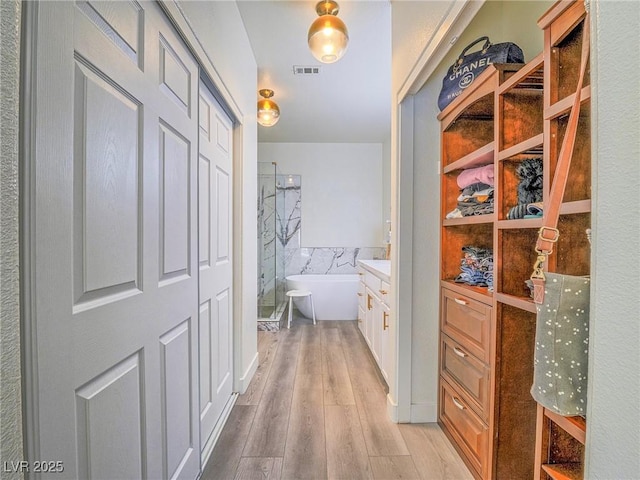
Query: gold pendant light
x=268 y=110
x=328 y=36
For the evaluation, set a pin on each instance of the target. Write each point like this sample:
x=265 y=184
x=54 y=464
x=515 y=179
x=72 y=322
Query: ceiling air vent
x=306 y=70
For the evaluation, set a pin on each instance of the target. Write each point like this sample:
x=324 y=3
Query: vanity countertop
x=380 y=268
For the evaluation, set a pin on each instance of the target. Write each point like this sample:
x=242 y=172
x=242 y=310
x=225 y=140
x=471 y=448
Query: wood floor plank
x=260 y=468
x=269 y=431
x=310 y=356
x=434 y=456
x=224 y=459
x=347 y=456
x=286 y=428
x=335 y=374
x=382 y=436
x=392 y=468
x=359 y=358
x=267 y=346
x=305 y=454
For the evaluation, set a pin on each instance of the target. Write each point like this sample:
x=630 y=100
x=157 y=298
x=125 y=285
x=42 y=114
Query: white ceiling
x=350 y=100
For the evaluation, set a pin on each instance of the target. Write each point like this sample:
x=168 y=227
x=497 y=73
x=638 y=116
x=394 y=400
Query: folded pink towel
x=475 y=175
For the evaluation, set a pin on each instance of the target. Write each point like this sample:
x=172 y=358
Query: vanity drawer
x=362 y=295
x=383 y=292
x=461 y=368
x=471 y=435
x=467 y=321
x=372 y=282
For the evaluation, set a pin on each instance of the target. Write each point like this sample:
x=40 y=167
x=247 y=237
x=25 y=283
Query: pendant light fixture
x=268 y=110
x=328 y=36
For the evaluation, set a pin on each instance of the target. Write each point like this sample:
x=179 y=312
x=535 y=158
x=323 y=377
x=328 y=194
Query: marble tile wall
x=300 y=260
x=266 y=241
x=279 y=250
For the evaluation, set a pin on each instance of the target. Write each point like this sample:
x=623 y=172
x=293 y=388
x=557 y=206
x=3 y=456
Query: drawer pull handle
x=457 y=403
x=360 y=294
x=459 y=352
x=369 y=307
x=360 y=273
x=459 y=301
x=383 y=292
x=385 y=316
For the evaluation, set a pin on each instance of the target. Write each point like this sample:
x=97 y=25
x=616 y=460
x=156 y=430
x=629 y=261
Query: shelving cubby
x=579 y=188
x=514 y=264
x=457 y=236
x=563 y=26
x=507 y=181
x=521 y=108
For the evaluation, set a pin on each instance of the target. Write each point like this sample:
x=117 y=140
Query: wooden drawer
x=464 y=370
x=467 y=321
x=466 y=428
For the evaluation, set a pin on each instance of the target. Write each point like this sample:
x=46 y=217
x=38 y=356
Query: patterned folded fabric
x=476 y=267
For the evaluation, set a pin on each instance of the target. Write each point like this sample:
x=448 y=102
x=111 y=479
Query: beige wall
x=10 y=378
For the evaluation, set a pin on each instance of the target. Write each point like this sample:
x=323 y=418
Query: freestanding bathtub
x=334 y=296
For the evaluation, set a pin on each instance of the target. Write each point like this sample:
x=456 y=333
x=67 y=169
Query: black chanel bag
x=467 y=67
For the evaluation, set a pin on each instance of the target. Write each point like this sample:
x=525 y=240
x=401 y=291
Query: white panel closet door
x=114 y=255
x=215 y=229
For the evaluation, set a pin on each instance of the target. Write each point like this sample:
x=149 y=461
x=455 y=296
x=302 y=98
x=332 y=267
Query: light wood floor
x=316 y=409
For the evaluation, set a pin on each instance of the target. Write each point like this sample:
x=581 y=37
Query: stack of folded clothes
x=529 y=173
x=476 y=192
x=476 y=267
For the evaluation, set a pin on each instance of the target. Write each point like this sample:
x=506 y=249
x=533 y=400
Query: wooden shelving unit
x=487 y=343
x=560 y=440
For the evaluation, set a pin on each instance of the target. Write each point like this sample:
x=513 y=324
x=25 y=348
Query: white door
x=215 y=229
x=113 y=252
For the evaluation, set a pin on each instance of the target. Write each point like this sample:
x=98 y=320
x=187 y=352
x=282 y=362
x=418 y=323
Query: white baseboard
x=424 y=412
x=392 y=409
x=245 y=380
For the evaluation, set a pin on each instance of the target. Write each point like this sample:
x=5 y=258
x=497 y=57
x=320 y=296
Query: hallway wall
x=10 y=377
x=613 y=432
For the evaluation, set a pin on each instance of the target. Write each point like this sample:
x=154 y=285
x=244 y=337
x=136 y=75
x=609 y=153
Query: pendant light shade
x=328 y=36
x=268 y=110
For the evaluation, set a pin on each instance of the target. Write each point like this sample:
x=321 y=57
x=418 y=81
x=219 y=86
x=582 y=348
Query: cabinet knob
x=360 y=294
x=383 y=292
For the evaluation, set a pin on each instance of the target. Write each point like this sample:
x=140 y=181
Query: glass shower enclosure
x=271 y=259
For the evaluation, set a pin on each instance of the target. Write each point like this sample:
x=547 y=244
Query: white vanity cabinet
x=373 y=313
